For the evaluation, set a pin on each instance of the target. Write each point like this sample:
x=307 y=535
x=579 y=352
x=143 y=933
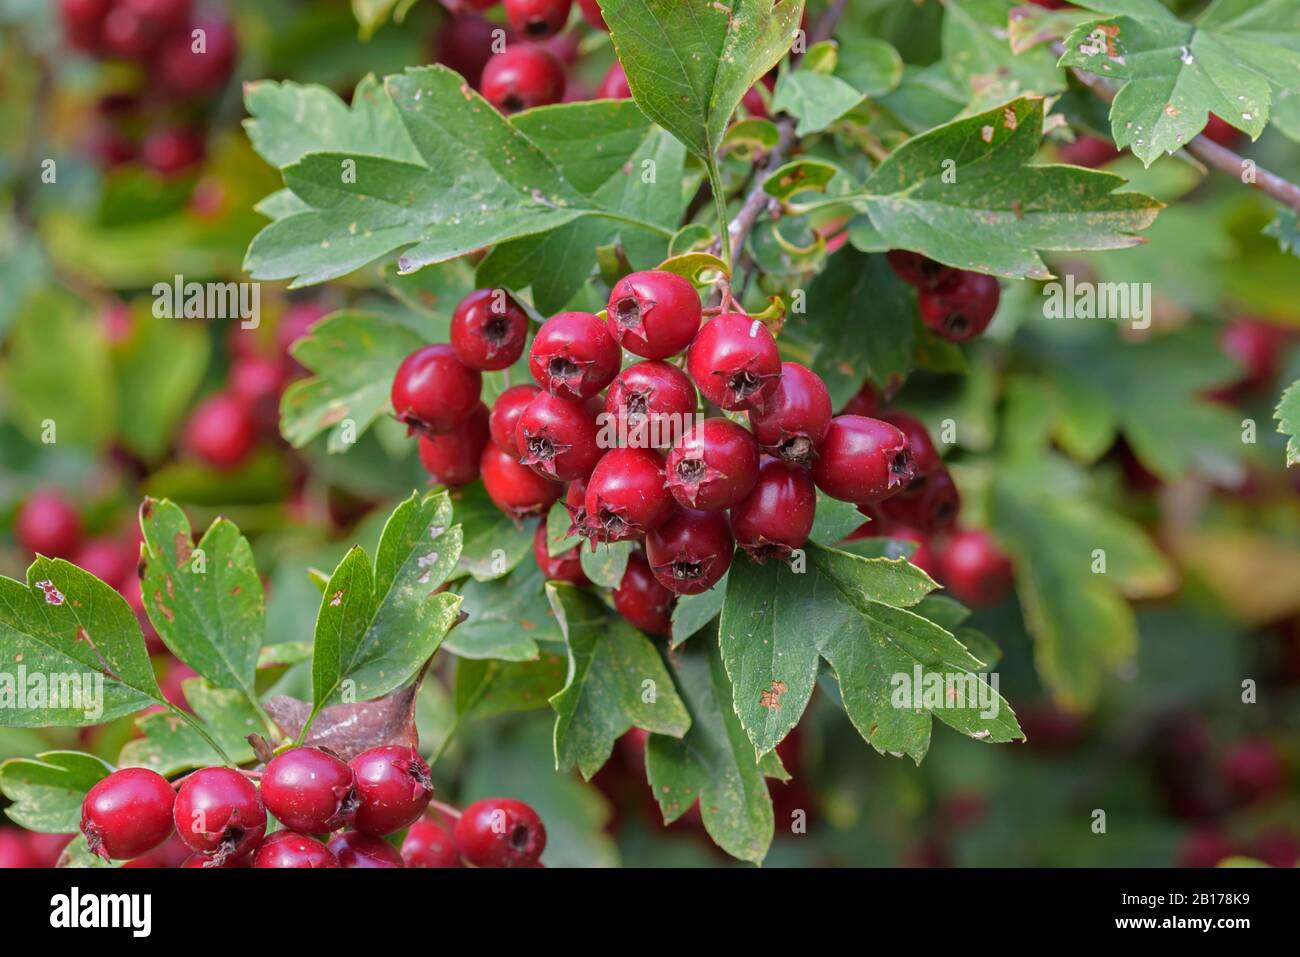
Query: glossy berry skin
x=626 y=496
x=862 y=460
x=293 y=850
x=488 y=330
x=564 y=567
x=652 y=403
x=654 y=314
x=930 y=503
x=221 y=431
x=427 y=844
x=713 y=466
x=500 y=832
x=356 y=850
x=919 y=271
x=974 y=569
x=219 y=812
x=394 y=787
x=452 y=458
x=962 y=308
x=556 y=438
x=47 y=524
x=644 y=602
x=777 y=516
x=505 y=413
x=795 y=420
x=433 y=391
x=127 y=813
x=614 y=85
x=515 y=489
x=537 y=19
x=734 y=362
x=690 y=552
x=310 y=790
x=185 y=72
x=521 y=77
x=574 y=355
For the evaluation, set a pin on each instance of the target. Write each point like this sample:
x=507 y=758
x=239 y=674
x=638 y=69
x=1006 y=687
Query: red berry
x=488 y=330
x=929 y=503
x=522 y=77
x=654 y=314
x=310 y=790
x=574 y=355
x=428 y=845
x=199 y=59
x=221 y=431
x=626 y=495
x=394 y=787
x=796 y=418
x=433 y=390
x=777 y=516
x=865 y=402
x=614 y=85
x=204 y=860
x=734 y=362
x=690 y=552
x=219 y=812
x=961 y=309
x=557 y=438
x=47 y=524
x=1253 y=771
x=919 y=271
x=652 y=403
x=862 y=460
x=500 y=832
x=452 y=457
x=506 y=410
x=713 y=466
x=127 y=813
x=644 y=602
x=591 y=12
x=564 y=567
x=537 y=19
x=354 y=849
x=515 y=489
x=974 y=569
x=291 y=849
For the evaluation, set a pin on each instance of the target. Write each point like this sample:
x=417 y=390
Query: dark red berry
x=865 y=402
x=591 y=12
x=796 y=418
x=515 y=489
x=919 y=271
x=488 y=330
x=626 y=495
x=47 y=524
x=522 y=77
x=310 y=790
x=614 y=86
x=434 y=391
x=713 y=466
x=974 y=569
x=219 y=812
x=291 y=849
x=862 y=460
x=127 y=813
x=427 y=844
x=564 y=567
x=500 y=832
x=573 y=355
x=537 y=19
x=506 y=410
x=394 y=787
x=452 y=458
x=354 y=849
x=644 y=602
x=199 y=59
x=652 y=403
x=734 y=362
x=557 y=438
x=690 y=552
x=777 y=516
x=929 y=503
x=221 y=431
x=654 y=314
x=962 y=308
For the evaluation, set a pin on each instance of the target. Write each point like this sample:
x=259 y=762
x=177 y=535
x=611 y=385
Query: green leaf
x=494 y=543
x=506 y=617
x=606 y=564
x=47 y=790
x=616 y=681
x=171 y=745
x=1288 y=421
x=168 y=359
x=816 y=99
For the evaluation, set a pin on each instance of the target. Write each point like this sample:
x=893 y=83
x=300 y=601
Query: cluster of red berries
x=221 y=816
x=183 y=58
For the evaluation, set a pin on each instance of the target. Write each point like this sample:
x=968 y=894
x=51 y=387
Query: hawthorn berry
x=777 y=516
x=47 y=524
x=393 y=786
x=973 y=568
x=310 y=790
x=862 y=460
x=427 y=844
x=515 y=489
x=488 y=330
x=521 y=77
x=187 y=71
x=434 y=391
x=356 y=850
x=654 y=314
x=796 y=418
x=626 y=495
x=930 y=502
x=506 y=410
x=537 y=19
x=564 y=567
x=127 y=813
x=651 y=403
x=614 y=85
x=219 y=812
x=691 y=551
x=734 y=362
x=221 y=431
x=574 y=355
x=713 y=466
x=557 y=438
x=500 y=832
x=640 y=598
x=962 y=308
x=291 y=849
x=919 y=271
x=452 y=458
